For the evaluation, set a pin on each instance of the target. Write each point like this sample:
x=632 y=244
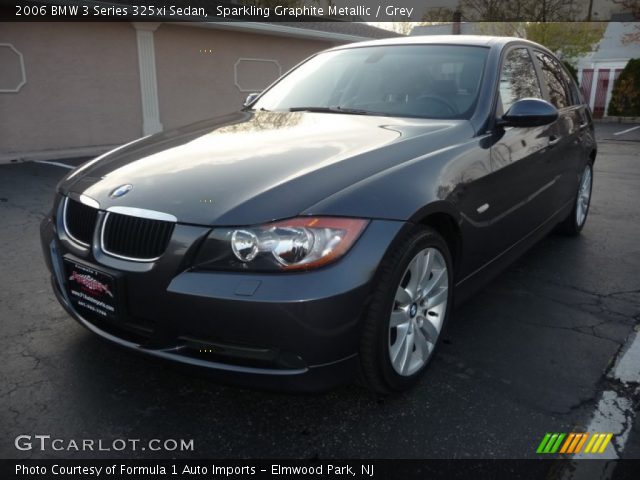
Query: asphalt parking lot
x=528 y=354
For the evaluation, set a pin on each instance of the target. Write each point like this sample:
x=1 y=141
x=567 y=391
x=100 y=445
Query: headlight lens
x=298 y=243
x=245 y=245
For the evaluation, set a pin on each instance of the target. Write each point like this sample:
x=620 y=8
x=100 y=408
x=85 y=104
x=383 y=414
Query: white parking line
x=627 y=367
x=55 y=164
x=622 y=132
x=614 y=414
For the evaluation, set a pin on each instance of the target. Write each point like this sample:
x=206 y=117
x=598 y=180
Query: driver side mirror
x=250 y=99
x=529 y=112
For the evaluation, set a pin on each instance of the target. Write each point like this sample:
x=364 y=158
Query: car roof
x=471 y=40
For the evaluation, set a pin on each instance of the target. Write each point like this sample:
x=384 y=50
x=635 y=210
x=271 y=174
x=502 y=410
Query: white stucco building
x=599 y=70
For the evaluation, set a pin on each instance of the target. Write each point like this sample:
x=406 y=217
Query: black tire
x=571 y=226
x=377 y=371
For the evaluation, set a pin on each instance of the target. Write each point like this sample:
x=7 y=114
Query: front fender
x=414 y=189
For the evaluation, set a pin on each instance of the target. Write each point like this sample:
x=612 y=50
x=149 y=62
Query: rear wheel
x=411 y=304
x=574 y=223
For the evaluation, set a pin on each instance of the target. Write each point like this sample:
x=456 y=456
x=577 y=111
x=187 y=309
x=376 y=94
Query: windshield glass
x=430 y=81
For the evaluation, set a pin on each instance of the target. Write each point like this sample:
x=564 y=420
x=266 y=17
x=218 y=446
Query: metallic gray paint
x=501 y=189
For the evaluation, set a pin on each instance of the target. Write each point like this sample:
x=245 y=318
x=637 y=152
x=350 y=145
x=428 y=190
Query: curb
x=617 y=120
x=55 y=154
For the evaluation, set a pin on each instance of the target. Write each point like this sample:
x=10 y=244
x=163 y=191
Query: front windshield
x=430 y=81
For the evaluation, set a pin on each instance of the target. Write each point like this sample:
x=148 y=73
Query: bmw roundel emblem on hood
x=121 y=191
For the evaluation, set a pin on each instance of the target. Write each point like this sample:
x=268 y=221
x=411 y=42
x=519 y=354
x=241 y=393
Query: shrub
x=625 y=97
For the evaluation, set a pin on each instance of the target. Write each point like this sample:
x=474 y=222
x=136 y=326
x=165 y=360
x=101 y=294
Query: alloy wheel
x=418 y=312
x=584 y=196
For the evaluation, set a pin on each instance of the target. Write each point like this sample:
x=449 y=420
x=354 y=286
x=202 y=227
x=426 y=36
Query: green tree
x=625 y=98
x=569 y=40
x=502 y=29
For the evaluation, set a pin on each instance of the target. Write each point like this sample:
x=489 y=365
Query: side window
x=518 y=78
x=575 y=97
x=552 y=74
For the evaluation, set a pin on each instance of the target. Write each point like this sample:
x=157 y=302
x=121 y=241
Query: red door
x=602 y=83
x=585 y=84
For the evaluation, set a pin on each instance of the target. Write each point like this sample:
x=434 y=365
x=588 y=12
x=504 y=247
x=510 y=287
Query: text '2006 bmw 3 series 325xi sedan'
x=321 y=233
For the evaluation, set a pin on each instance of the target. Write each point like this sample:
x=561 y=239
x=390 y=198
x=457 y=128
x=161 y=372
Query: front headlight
x=295 y=244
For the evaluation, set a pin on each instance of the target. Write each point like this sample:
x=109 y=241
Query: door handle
x=583 y=125
x=553 y=140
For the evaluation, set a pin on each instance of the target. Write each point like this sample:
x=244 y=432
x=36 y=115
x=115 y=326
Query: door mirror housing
x=250 y=99
x=529 y=112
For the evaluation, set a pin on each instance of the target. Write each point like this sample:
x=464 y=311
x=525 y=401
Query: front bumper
x=293 y=331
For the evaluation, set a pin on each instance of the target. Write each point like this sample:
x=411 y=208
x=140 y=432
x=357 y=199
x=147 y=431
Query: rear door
x=565 y=151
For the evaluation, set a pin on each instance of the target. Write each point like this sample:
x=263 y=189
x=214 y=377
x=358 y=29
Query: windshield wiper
x=350 y=111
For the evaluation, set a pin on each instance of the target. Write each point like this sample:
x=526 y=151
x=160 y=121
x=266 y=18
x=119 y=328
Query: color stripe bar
x=582 y=442
x=567 y=443
x=550 y=443
x=575 y=442
x=556 y=445
x=605 y=442
x=591 y=442
x=572 y=443
x=543 y=443
x=596 y=445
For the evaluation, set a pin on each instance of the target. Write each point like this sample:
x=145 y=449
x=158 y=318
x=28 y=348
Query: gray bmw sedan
x=325 y=231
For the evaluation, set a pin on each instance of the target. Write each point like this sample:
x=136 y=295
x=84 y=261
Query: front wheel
x=574 y=223
x=410 y=307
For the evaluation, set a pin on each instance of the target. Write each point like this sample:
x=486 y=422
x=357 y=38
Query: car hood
x=252 y=167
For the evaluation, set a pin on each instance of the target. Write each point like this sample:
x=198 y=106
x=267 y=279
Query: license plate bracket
x=92 y=292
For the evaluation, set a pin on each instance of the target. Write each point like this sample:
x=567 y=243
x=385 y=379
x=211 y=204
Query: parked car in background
x=324 y=231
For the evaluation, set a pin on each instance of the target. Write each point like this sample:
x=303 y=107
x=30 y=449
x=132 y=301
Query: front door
x=519 y=158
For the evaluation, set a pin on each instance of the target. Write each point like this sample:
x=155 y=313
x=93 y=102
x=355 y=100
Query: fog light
x=244 y=244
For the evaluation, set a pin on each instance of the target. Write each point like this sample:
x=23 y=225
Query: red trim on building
x=602 y=83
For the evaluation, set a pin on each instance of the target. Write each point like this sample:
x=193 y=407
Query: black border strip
x=357 y=469
x=247 y=10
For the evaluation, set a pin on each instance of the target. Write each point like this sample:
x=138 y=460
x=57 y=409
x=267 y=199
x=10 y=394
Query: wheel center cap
x=413 y=310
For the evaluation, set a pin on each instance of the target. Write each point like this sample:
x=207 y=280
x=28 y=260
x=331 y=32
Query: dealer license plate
x=92 y=292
